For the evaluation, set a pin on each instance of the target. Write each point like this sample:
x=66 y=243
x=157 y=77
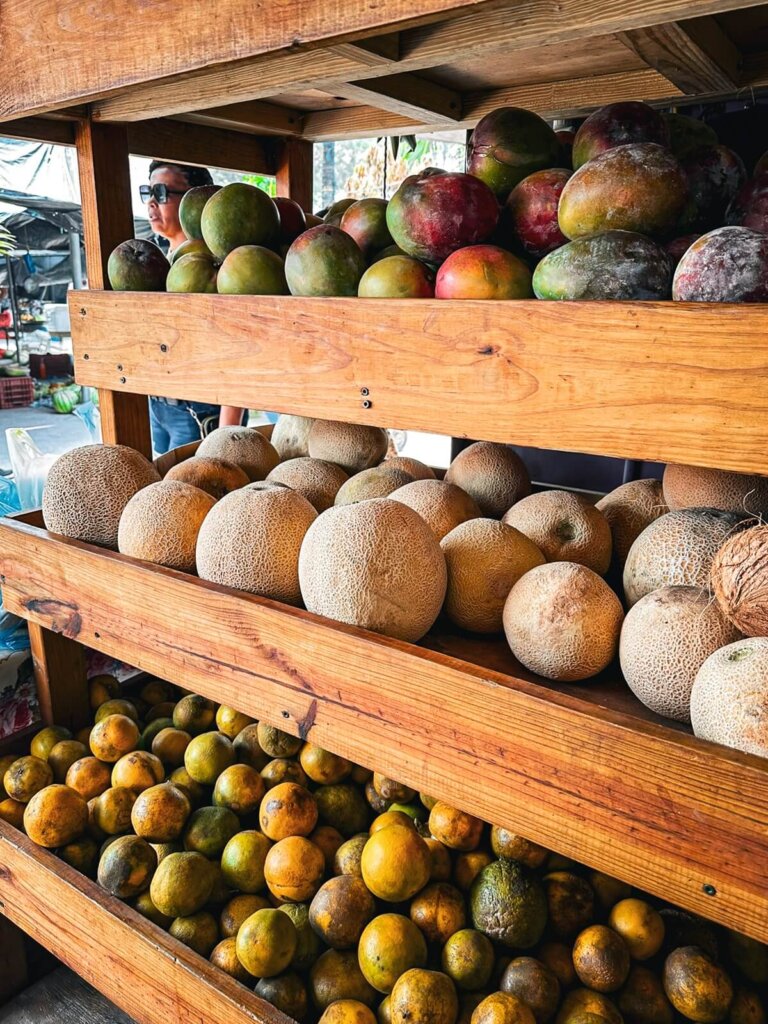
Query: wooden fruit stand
x=583 y=769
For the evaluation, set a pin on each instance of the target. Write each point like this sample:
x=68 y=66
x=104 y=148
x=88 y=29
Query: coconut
x=88 y=488
x=629 y=508
x=740 y=580
x=698 y=487
x=729 y=701
x=440 y=504
x=665 y=639
x=161 y=522
x=317 y=480
x=378 y=482
x=374 y=564
x=562 y=621
x=251 y=540
x=214 y=476
x=290 y=436
x=493 y=474
x=350 y=445
x=485 y=559
x=245 y=446
x=565 y=527
x=677 y=550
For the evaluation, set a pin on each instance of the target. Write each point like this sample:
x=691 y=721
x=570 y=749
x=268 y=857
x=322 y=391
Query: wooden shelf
x=581 y=769
x=137 y=965
x=669 y=382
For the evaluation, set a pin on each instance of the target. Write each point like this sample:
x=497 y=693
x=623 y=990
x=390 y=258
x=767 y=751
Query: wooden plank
x=696 y=56
x=39 y=129
x=164 y=139
x=408 y=95
x=253 y=117
x=374 y=51
x=479 y=33
x=619 y=793
x=665 y=381
x=62 y=997
x=61 y=678
x=137 y=965
x=105 y=188
x=550 y=99
x=108 y=46
x=13 y=960
x=294 y=172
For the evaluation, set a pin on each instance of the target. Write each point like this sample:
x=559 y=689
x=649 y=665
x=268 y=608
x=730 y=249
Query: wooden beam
x=294 y=172
x=254 y=118
x=477 y=34
x=14 y=975
x=549 y=99
x=39 y=129
x=167 y=139
x=696 y=56
x=61 y=677
x=659 y=381
x=457 y=718
x=375 y=52
x=408 y=95
x=105 y=187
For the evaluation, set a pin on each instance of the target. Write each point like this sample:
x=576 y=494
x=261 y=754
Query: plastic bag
x=30 y=466
x=9 y=497
x=88 y=412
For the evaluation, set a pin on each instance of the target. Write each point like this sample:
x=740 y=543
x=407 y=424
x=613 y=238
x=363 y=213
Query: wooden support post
x=60 y=673
x=13 y=960
x=105 y=186
x=294 y=171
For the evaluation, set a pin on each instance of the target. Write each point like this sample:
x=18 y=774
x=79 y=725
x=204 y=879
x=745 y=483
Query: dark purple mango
x=715 y=174
x=611 y=265
x=618 y=124
x=726 y=265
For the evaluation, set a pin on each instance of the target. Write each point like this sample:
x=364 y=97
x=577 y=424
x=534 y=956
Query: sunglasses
x=159 y=193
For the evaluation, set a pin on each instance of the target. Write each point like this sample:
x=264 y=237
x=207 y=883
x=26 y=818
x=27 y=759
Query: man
x=175 y=422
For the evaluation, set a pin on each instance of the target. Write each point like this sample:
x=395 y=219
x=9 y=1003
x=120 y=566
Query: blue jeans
x=174 y=425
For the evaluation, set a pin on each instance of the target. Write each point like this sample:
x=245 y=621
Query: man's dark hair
x=195 y=175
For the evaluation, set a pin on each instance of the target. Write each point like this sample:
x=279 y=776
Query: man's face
x=164 y=217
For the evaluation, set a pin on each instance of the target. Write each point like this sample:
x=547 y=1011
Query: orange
x=439 y=912
x=237 y=910
x=240 y=788
x=455 y=829
x=118 y=706
x=113 y=737
x=44 y=741
x=282 y=769
x=27 y=776
x=196 y=793
x=329 y=840
x=160 y=813
x=468 y=866
x=441 y=861
x=641 y=927
x=348 y=855
x=396 y=863
x=340 y=910
x=347 y=1011
x=55 y=816
x=169 y=745
x=101 y=689
x=294 y=869
x=5 y=763
x=288 y=810
x=126 y=867
x=391 y=818
x=424 y=997
x=138 y=771
x=323 y=767
x=63 y=755
x=224 y=956
x=194 y=714
x=247 y=748
x=112 y=810
x=207 y=755
x=231 y=722
x=502 y=1008
x=12 y=811
x=266 y=943
x=389 y=946
x=275 y=742
x=157 y=691
x=242 y=861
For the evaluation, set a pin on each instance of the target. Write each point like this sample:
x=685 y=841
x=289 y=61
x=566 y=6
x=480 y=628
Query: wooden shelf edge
x=666 y=382
x=649 y=804
x=142 y=969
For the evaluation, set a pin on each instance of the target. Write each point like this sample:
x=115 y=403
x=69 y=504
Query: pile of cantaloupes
x=346 y=897
x=665 y=574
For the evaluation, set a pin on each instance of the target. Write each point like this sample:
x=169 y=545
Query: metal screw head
x=86 y=356
x=163 y=348
x=367 y=403
x=364 y=391
x=122 y=380
x=709 y=890
x=83 y=311
x=119 y=366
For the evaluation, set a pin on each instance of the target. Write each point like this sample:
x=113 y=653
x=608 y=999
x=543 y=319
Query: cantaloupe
x=375 y=564
x=485 y=558
x=665 y=639
x=677 y=550
x=740 y=580
x=317 y=480
x=629 y=508
x=440 y=504
x=290 y=436
x=729 y=701
x=161 y=522
x=565 y=527
x=418 y=470
x=88 y=488
x=493 y=474
x=699 y=487
x=562 y=621
x=214 y=476
x=250 y=540
x=245 y=446
x=378 y=482
x=352 y=446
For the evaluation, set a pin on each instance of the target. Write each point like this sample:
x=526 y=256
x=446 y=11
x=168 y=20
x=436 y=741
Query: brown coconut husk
x=740 y=580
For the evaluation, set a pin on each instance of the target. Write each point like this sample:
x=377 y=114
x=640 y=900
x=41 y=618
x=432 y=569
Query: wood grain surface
x=666 y=382
x=62 y=997
x=143 y=970
x=647 y=803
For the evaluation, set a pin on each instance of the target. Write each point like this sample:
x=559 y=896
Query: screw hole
x=163 y=348
x=122 y=380
x=119 y=366
x=285 y=714
x=367 y=404
x=83 y=311
x=364 y=391
x=86 y=356
x=709 y=890
x=97 y=635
